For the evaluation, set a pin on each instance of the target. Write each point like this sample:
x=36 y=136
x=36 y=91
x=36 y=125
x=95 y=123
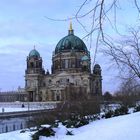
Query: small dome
x=34 y=53
x=97 y=69
x=85 y=58
x=71 y=43
x=97 y=66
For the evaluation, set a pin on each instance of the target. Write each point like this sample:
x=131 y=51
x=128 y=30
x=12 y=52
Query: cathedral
x=71 y=77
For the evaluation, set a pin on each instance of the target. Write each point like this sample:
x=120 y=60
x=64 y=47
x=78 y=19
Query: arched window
x=66 y=63
x=49 y=81
x=44 y=84
x=32 y=64
x=73 y=63
x=57 y=98
x=40 y=96
x=40 y=64
x=63 y=64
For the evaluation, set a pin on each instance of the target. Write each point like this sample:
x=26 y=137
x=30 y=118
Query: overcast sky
x=23 y=25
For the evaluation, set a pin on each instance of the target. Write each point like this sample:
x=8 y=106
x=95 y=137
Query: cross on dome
x=71 y=32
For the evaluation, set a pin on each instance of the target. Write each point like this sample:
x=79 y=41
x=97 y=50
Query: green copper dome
x=71 y=43
x=34 y=53
x=85 y=58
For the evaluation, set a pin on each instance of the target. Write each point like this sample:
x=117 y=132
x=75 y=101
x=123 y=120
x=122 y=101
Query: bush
x=76 y=122
x=109 y=114
x=55 y=124
x=123 y=110
x=137 y=108
x=43 y=132
x=71 y=123
x=81 y=122
x=65 y=122
x=116 y=112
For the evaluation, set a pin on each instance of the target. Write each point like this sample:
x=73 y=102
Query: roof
x=71 y=43
x=34 y=53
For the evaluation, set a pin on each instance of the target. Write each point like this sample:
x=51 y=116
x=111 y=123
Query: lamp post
x=28 y=102
x=28 y=125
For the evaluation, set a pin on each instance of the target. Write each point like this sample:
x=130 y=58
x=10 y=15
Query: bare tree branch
x=137 y=6
x=127 y=53
x=100 y=13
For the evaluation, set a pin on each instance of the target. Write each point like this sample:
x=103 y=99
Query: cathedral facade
x=71 y=76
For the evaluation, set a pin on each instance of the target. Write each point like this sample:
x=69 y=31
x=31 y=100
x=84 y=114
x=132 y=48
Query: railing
x=7 y=125
x=23 y=113
x=12 y=121
x=31 y=105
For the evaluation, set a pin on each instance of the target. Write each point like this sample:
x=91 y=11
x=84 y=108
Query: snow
x=125 y=127
x=15 y=136
x=17 y=106
x=11 y=109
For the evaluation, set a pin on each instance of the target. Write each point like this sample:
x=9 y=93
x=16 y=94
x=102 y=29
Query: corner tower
x=33 y=75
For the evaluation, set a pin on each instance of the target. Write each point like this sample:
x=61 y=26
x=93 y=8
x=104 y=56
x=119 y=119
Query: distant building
x=71 y=77
x=13 y=96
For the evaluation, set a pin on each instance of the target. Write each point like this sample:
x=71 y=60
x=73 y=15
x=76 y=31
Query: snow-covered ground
x=125 y=127
x=17 y=106
x=11 y=109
